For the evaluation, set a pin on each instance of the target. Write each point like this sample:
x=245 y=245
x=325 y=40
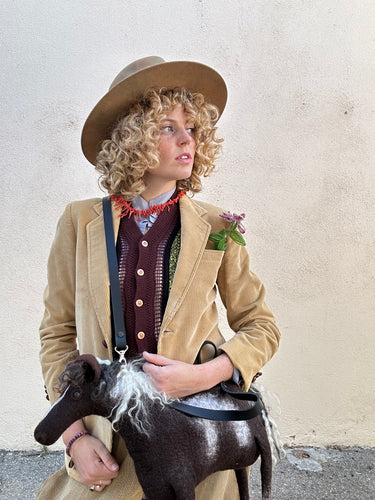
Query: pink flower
x=235 y=218
x=234 y=231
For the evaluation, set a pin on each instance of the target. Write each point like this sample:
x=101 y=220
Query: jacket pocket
x=209 y=267
x=213 y=255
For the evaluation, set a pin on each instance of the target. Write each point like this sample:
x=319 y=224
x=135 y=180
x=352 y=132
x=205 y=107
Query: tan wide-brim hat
x=132 y=82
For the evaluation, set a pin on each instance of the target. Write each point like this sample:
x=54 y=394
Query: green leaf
x=215 y=237
x=221 y=245
x=237 y=238
x=219 y=239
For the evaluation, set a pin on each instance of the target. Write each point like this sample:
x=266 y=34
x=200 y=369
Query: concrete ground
x=304 y=474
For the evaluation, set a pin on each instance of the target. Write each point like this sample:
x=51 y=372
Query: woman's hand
x=179 y=379
x=92 y=461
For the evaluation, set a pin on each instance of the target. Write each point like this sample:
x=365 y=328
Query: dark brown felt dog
x=172 y=452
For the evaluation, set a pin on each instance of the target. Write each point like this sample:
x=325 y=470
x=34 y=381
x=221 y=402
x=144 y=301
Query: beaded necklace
x=127 y=209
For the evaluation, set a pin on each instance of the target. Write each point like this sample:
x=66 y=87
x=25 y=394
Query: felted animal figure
x=172 y=452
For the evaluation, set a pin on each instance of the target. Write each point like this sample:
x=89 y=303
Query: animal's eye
x=76 y=395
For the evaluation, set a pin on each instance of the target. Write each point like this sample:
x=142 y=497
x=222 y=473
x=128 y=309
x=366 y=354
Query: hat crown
x=134 y=67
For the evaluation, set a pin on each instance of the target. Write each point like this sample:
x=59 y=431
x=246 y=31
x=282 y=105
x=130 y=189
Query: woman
x=152 y=137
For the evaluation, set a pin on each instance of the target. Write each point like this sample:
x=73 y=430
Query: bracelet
x=77 y=436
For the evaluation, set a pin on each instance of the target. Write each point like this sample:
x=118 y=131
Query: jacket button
x=144 y=243
x=141 y=335
x=46 y=393
x=140 y=272
x=139 y=303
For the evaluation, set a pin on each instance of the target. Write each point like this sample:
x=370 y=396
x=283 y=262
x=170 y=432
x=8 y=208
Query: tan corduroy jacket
x=77 y=310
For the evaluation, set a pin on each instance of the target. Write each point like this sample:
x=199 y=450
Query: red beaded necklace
x=127 y=209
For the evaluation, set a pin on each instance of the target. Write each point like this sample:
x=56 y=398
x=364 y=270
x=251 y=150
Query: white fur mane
x=132 y=388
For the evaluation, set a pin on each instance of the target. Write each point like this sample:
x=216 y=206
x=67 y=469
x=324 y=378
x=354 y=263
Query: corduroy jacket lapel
x=194 y=235
x=98 y=275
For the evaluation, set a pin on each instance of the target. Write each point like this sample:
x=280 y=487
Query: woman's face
x=176 y=151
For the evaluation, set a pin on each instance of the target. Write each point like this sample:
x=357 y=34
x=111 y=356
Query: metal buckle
x=122 y=354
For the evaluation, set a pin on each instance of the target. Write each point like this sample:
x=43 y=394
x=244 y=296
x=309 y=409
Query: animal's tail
x=270 y=400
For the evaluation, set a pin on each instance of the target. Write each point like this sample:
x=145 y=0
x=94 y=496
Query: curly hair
x=133 y=146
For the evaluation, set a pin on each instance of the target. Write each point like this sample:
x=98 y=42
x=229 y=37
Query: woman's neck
x=152 y=192
x=140 y=202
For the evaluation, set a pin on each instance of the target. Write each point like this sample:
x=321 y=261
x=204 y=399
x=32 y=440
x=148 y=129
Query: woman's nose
x=184 y=137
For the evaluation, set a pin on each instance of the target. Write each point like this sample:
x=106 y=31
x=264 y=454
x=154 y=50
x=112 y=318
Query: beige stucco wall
x=298 y=159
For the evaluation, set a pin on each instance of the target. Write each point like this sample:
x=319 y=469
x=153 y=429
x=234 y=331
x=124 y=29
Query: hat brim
x=195 y=77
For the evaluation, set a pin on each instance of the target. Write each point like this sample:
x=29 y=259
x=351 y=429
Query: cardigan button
x=140 y=272
x=144 y=243
x=141 y=335
x=139 y=303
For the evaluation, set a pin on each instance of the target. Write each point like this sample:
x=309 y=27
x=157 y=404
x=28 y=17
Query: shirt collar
x=140 y=203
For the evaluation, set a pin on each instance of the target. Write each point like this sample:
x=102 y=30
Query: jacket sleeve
x=58 y=329
x=256 y=336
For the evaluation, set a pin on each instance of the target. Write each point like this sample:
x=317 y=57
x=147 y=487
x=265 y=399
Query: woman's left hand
x=179 y=379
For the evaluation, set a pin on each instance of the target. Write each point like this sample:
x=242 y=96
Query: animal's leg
x=243 y=483
x=266 y=469
x=171 y=491
x=184 y=492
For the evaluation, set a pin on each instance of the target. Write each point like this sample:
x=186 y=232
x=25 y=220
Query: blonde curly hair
x=133 y=146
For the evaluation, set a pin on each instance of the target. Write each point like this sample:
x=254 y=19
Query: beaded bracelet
x=77 y=436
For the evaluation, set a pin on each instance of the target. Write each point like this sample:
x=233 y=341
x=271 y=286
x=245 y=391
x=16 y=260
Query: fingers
x=107 y=459
x=157 y=359
x=159 y=368
x=159 y=373
x=94 y=464
x=175 y=378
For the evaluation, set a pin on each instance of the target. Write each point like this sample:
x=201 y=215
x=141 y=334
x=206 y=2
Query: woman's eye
x=191 y=130
x=167 y=128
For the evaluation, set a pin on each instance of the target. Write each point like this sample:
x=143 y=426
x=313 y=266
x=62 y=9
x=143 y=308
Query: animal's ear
x=83 y=369
x=92 y=367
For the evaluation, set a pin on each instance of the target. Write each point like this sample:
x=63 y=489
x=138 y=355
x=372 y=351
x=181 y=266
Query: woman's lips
x=184 y=158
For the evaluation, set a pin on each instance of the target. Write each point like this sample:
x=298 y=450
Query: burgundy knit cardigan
x=146 y=267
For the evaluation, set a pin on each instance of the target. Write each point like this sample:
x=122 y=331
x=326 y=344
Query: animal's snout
x=42 y=436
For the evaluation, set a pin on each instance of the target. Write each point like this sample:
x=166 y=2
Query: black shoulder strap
x=223 y=415
x=117 y=311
